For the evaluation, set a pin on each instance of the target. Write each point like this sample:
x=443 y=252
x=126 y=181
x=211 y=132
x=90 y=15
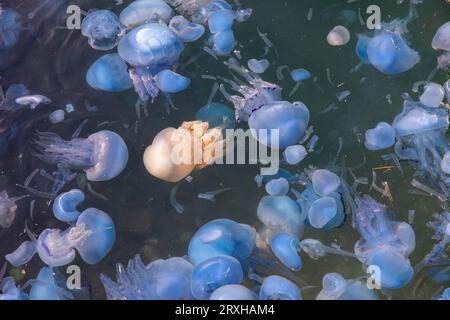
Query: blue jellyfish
x=222 y=237
x=102 y=155
x=50 y=284
x=57 y=116
x=281 y=214
x=10 y=28
x=217 y=115
x=335 y=287
x=285 y=247
x=295 y=154
x=92 y=236
x=145 y=11
x=186 y=30
x=14 y=91
x=8 y=208
x=325 y=182
x=384 y=244
x=274 y=122
x=160 y=280
x=233 y=292
x=279 y=288
x=300 y=75
x=9 y=290
x=258 y=66
x=103 y=29
x=24 y=253
x=109 y=73
x=213 y=274
x=277 y=187
x=65 y=205
x=441 y=40
x=445 y=295
x=380 y=137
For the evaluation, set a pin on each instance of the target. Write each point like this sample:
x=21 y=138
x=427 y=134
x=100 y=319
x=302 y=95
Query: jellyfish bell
x=338 y=36
x=285 y=247
x=335 y=287
x=187 y=31
x=10 y=28
x=277 y=187
x=65 y=205
x=233 y=292
x=103 y=29
x=109 y=73
x=279 y=288
x=380 y=137
x=223 y=42
x=433 y=95
x=8 y=208
x=217 y=115
x=325 y=182
x=294 y=154
x=170 y=82
x=441 y=40
x=45 y=287
x=144 y=11
x=258 y=66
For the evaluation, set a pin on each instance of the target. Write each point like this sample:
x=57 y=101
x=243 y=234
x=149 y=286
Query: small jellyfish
x=32 y=101
x=160 y=280
x=102 y=155
x=109 y=73
x=300 y=75
x=171 y=82
x=65 y=205
x=281 y=214
x=217 y=115
x=380 y=137
x=173 y=154
x=335 y=287
x=8 y=208
x=187 y=31
x=277 y=187
x=258 y=66
x=433 y=95
x=441 y=40
x=338 y=36
x=56 y=116
x=14 y=91
x=447 y=90
x=213 y=274
x=235 y=292
x=285 y=247
x=93 y=236
x=295 y=154
x=222 y=237
x=103 y=29
x=279 y=288
x=145 y=11
x=325 y=182
x=10 y=28
x=323 y=211
x=10 y=291
x=23 y=254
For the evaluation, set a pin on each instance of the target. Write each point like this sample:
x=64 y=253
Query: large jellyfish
x=160 y=280
x=175 y=153
x=103 y=29
x=218 y=15
x=222 y=237
x=387 y=50
x=274 y=122
x=8 y=208
x=384 y=244
x=335 y=287
x=109 y=73
x=103 y=155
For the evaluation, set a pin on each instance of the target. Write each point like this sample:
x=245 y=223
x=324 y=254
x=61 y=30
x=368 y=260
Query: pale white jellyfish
x=338 y=36
x=433 y=95
x=441 y=40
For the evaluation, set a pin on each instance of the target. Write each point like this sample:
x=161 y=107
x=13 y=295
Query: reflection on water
x=53 y=61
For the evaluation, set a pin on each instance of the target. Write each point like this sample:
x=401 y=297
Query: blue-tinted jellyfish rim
x=279 y=288
x=65 y=205
x=285 y=247
x=101 y=75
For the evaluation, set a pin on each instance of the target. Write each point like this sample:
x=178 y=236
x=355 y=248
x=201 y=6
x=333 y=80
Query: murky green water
x=54 y=62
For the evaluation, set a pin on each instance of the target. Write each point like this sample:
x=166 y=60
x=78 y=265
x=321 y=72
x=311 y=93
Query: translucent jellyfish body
x=14 y=91
x=102 y=155
x=10 y=291
x=258 y=66
x=277 y=187
x=338 y=36
x=175 y=153
x=380 y=137
x=8 y=208
x=103 y=29
x=285 y=247
x=384 y=244
x=144 y=11
x=300 y=74
x=160 y=280
x=335 y=287
x=279 y=288
x=93 y=236
x=109 y=73
x=433 y=95
x=441 y=40
x=222 y=237
x=217 y=115
x=213 y=274
x=280 y=214
x=441 y=227
x=10 y=28
x=294 y=154
x=420 y=134
x=65 y=205
x=445 y=295
x=233 y=292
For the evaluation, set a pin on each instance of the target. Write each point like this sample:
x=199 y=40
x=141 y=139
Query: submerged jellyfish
x=109 y=73
x=65 y=205
x=217 y=115
x=338 y=36
x=14 y=91
x=277 y=187
x=144 y=11
x=335 y=287
x=285 y=247
x=102 y=155
x=103 y=29
x=10 y=28
x=441 y=40
x=222 y=237
x=8 y=288
x=279 y=288
x=215 y=273
x=275 y=123
x=380 y=137
x=258 y=66
x=294 y=154
x=8 y=209
x=160 y=280
x=233 y=292
x=384 y=244
x=175 y=153
x=433 y=95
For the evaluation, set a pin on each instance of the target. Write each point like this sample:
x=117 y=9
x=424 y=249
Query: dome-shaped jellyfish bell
x=390 y=54
x=175 y=153
x=103 y=155
x=93 y=236
x=235 y=292
x=325 y=182
x=109 y=73
x=335 y=287
x=45 y=287
x=418 y=120
x=441 y=40
x=222 y=237
x=289 y=119
x=103 y=29
x=395 y=269
x=186 y=30
x=380 y=137
x=143 y=11
x=65 y=205
x=215 y=273
x=279 y=288
x=217 y=115
x=285 y=247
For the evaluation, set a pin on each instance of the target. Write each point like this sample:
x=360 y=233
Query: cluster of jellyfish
x=224 y=257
